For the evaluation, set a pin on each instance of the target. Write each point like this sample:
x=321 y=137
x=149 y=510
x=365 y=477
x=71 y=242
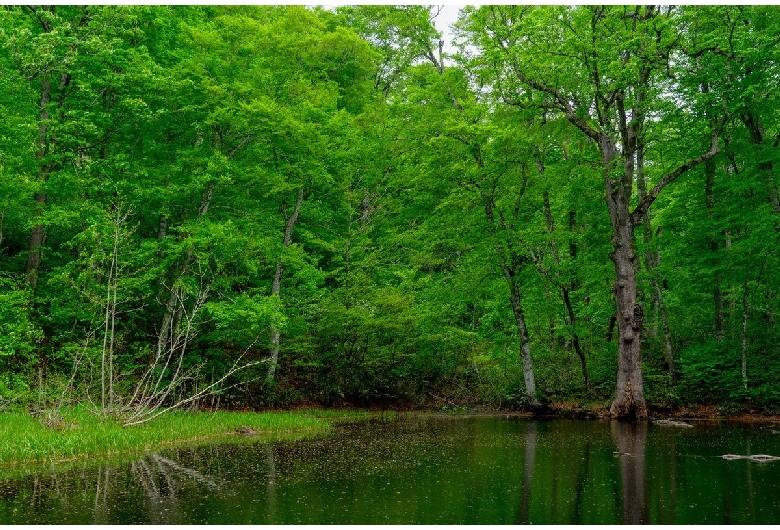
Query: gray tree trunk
x=276 y=286
x=629 y=392
x=506 y=261
x=525 y=342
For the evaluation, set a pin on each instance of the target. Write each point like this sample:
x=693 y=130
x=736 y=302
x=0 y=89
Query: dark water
x=449 y=471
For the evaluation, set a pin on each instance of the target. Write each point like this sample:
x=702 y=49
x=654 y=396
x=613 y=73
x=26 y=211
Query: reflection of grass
x=26 y=443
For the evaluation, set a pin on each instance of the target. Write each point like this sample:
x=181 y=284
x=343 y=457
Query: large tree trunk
x=629 y=394
x=629 y=399
x=609 y=112
x=276 y=286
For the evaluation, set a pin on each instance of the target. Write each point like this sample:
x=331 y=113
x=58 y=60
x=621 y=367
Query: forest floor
x=711 y=412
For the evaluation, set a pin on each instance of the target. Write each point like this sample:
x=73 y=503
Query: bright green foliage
x=160 y=154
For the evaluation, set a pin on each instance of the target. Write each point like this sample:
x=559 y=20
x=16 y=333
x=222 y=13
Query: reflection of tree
x=752 y=500
x=580 y=509
x=271 y=481
x=524 y=512
x=668 y=514
x=161 y=478
x=101 y=495
x=631 y=439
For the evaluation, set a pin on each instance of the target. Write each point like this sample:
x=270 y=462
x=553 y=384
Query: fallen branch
x=754 y=458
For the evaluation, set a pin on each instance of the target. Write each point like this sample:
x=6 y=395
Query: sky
x=447 y=16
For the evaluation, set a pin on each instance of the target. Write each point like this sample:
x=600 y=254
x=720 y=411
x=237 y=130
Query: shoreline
x=555 y=409
x=27 y=445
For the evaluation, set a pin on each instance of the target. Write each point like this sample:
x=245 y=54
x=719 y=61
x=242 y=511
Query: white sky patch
x=448 y=15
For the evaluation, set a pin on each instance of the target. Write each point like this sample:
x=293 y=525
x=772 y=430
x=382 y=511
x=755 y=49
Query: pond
x=428 y=470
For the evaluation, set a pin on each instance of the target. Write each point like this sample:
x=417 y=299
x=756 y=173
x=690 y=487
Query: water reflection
x=100 y=509
x=269 y=456
x=161 y=479
x=630 y=439
x=429 y=471
x=580 y=508
x=528 y=472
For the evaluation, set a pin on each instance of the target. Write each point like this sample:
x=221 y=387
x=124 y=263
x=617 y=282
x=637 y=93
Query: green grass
x=25 y=442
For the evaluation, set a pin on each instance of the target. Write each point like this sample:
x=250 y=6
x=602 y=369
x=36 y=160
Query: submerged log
x=763 y=458
x=754 y=458
x=672 y=423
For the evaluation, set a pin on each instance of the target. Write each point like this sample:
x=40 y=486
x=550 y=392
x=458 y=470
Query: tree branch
x=562 y=104
x=644 y=205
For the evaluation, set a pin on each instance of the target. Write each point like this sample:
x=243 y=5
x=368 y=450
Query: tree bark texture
x=629 y=393
x=629 y=399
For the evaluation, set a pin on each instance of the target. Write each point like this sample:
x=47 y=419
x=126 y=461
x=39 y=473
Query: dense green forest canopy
x=266 y=205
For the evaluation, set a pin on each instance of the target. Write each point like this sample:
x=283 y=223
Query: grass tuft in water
x=26 y=441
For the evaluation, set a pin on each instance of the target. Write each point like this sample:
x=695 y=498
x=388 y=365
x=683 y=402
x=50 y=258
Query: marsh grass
x=26 y=442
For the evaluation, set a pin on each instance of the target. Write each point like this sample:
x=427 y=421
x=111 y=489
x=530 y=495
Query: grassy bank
x=25 y=441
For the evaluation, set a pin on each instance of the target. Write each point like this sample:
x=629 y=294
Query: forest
x=269 y=206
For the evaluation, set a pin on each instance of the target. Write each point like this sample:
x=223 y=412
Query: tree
x=604 y=69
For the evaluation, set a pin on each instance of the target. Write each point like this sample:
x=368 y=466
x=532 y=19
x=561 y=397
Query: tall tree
x=604 y=69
